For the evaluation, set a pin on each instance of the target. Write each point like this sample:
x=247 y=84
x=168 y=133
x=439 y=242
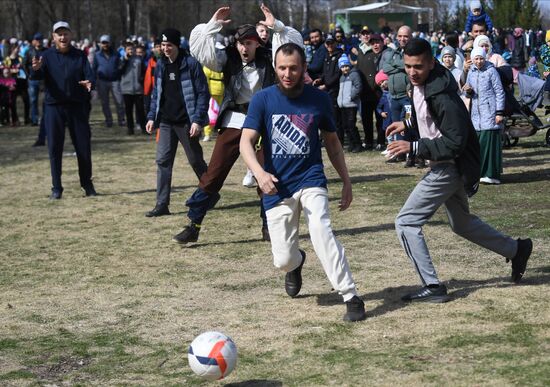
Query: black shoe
x=159 y=210
x=90 y=191
x=357 y=149
x=39 y=143
x=427 y=294
x=265 y=234
x=109 y=124
x=189 y=234
x=519 y=262
x=355 y=310
x=421 y=163
x=130 y=132
x=293 y=279
x=410 y=162
x=55 y=195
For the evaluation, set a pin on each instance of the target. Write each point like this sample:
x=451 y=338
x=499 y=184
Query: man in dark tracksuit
x=68 y=79
x=329 y=80
x=448 y=140
x=179 y=108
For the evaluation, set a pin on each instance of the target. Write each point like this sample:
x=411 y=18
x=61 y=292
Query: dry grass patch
x=94 y=293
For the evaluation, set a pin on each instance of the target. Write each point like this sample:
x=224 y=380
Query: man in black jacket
x=448 y=140
x=329 y=80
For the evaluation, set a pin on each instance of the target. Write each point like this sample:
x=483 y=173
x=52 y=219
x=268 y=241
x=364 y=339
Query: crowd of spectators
x=362 y=70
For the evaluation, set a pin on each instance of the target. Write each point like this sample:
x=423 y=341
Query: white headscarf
x=484 y=39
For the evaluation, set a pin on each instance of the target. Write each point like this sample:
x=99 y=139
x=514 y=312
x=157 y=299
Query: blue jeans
x=398 y=108
x=34 y=90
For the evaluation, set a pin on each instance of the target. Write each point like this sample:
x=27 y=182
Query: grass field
x=94 y=293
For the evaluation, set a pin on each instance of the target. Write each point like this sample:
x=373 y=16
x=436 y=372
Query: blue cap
x=344 y=61
x=37 y=36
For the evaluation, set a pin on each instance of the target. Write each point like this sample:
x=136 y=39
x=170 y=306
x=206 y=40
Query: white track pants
x=283 y=223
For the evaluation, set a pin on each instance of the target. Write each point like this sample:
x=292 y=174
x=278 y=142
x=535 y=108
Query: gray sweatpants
x=443 y=185
x=167 y=145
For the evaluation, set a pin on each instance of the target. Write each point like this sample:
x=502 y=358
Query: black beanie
x=171 y=35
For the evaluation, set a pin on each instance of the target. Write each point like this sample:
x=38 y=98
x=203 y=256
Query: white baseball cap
x=61 y=24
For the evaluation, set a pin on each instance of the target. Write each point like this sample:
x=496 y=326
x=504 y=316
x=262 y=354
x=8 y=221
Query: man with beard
x=315 y=68
x=68 y=79
x=289 y=117
x=247 y=68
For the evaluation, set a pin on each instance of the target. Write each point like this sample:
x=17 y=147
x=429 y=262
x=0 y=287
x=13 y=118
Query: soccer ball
x=212 y=355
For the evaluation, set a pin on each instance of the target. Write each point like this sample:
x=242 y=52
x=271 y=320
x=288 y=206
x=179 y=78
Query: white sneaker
x=489 y=180
x=384 y=152
x=206 y=138
x=248 y=179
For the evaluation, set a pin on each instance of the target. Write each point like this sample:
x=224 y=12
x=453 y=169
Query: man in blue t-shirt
x=288 y=117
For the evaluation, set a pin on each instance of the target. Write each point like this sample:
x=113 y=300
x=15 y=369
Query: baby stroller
x=521 y=119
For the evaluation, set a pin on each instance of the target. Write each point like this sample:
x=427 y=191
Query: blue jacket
x=384 y=105
x=315 y=68
x=194 y=88
x=107 y=69
x=488 y=97
x=483 y=16
x=61 y=74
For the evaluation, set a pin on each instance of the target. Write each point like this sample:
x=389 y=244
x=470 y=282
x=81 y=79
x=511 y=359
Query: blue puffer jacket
x=194 y=89
x=488 y=97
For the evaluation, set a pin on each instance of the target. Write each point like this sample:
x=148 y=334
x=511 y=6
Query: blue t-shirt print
x=290 y=136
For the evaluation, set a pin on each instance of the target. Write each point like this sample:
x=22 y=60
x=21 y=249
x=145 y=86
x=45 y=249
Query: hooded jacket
x=458 y=139
x=488 y=98
x=350 y=90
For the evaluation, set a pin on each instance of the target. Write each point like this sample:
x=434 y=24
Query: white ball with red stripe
x=212 y=355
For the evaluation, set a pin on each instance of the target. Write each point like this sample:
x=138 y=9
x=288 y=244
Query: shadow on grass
x=364 y=179
x=526 y=177
x=256 y=383
x=391 y=296
x=150 y=190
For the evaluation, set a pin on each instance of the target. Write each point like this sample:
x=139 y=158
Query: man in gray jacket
x=131 y=84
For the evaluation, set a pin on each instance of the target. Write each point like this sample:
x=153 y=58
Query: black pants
x=129 y=102
x=6 y=108
x=22 y=89
x=368 y=109
x=348 y=118
x=75 y=117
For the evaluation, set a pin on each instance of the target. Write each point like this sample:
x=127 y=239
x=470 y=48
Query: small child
x=348 y=101
x=7 y=98
x=448 y=57
x=532 y=69
x=384 y=105
x=477 y=13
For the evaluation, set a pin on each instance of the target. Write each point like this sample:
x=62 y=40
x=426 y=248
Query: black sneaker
x=90 y=191
x=355 y=310
x=519 y=262
x=357 y=149
x=39 y=143
x=426 y=294
x=293 y=279
x=159 y=210
x=410 y=162
x=189 y=234
x=421 y=163
x=265 y=234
